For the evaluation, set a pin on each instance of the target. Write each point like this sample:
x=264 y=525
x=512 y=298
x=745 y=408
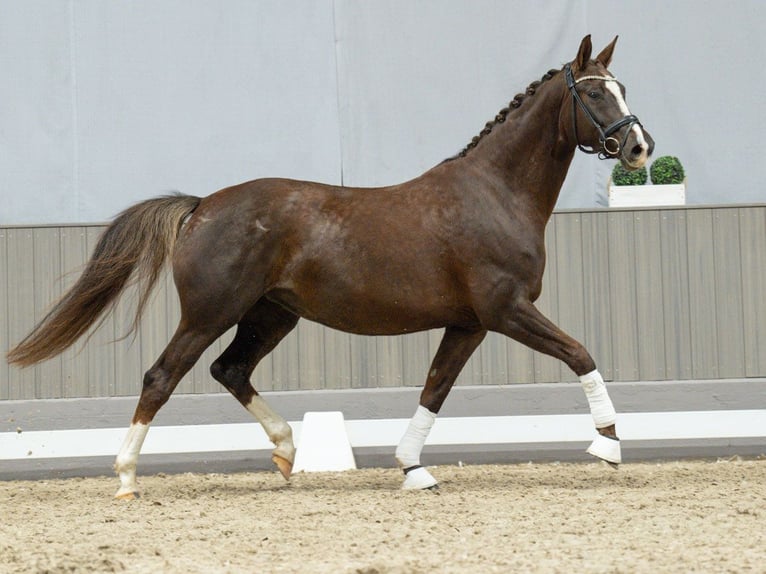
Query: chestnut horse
x=461 y=248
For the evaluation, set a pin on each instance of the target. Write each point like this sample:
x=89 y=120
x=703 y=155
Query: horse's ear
x=605 y=57
x=583 y=54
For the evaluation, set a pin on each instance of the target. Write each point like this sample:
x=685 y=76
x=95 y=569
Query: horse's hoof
x=606 y=448
x=127 y=495
x=418 y=478
x=614 y=465
x=284 y=465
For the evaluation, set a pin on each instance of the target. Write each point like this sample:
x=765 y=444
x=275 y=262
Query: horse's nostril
x=637 y=150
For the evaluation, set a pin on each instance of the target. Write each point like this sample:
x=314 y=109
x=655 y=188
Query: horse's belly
x=366 y=314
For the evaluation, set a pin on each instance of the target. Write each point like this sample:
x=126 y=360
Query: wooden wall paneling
x=702 y=295
x=622 y=295
x=650 y=312
x=337 y=359
x=47 y=291
x=727 y=259
x=596 y=297
x=364 y=362
x=5 y=340
x=416 y=358
x=311 y=356
x=674 y=261
x=389 y=361
x=752 y=237
x=21 y=315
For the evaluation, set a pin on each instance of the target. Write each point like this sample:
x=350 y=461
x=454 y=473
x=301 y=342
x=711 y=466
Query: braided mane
x=502 y=115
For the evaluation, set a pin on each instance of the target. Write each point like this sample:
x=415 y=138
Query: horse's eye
x=594 y=95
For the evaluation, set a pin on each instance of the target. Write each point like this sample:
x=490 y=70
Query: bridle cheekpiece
x=610 y=145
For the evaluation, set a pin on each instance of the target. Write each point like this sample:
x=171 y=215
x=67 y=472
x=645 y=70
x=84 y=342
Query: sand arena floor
x=649 y=517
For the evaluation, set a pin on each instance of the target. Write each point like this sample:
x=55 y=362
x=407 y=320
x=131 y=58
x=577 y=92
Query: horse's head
x=598 y=119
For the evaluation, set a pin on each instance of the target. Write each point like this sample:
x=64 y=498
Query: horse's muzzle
x=638 y=147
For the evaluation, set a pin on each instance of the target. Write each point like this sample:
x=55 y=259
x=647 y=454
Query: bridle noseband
x=610 y=146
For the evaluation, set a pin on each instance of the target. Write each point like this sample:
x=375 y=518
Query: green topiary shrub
x=621 y=176
x=666 y=169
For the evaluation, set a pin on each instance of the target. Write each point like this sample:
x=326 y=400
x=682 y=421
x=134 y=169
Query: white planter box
x=646 y=195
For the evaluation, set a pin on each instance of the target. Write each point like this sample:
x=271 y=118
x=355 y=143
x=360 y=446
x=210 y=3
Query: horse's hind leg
x=159 y=383
x=260 y=330
x=527 y=325
x=456 y=347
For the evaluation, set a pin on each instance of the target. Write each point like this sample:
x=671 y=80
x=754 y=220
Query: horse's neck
x=524 y=152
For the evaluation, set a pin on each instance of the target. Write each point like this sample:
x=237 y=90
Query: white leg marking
x=125 y=465
x=277 y=429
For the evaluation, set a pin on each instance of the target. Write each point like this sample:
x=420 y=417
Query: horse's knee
x=155 y=383
x=580 y=360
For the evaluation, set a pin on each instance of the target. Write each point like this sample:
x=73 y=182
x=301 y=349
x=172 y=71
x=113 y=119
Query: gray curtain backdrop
x=108 y=103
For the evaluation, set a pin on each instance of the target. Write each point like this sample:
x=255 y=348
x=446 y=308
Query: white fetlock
x=125 y=464
x=418 y=478
x=606 y=448
x=278 y=431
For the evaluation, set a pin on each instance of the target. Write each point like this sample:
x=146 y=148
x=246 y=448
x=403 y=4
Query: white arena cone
x=323 y=445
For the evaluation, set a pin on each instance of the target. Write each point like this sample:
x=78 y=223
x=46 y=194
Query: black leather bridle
x=610 y=145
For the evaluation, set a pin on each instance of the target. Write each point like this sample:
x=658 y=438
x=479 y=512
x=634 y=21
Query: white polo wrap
x=600 y=404
x=408 y=451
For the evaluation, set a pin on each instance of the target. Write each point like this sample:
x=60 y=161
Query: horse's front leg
x=527 y=325
x=456 y=347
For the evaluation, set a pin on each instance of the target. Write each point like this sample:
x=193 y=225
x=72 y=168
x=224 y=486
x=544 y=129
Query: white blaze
x=614 y=89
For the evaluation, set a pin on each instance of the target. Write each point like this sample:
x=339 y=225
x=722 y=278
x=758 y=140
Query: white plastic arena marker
x=323 y=445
